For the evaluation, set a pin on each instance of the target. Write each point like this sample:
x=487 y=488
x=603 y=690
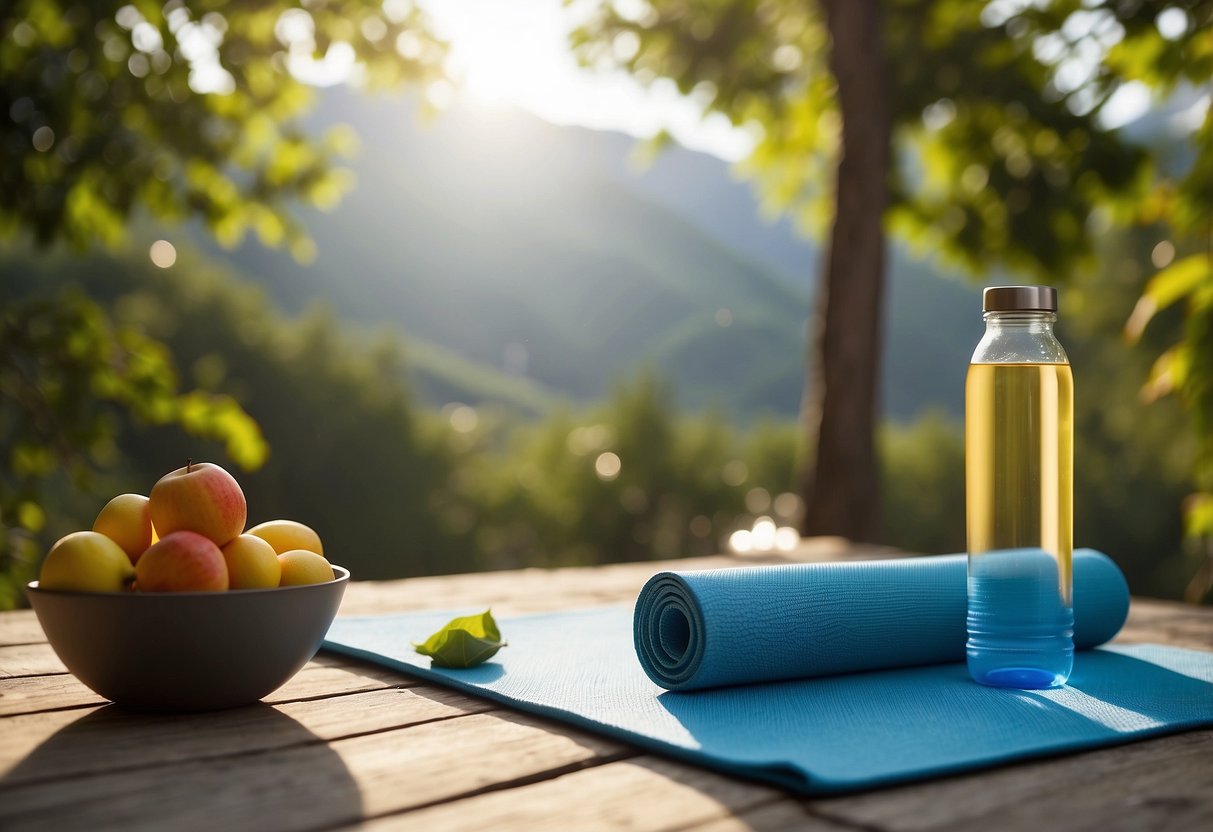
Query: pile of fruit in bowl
x=169 y=603
x=186 y=536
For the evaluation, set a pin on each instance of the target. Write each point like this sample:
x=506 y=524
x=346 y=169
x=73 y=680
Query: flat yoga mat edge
x=776 y=772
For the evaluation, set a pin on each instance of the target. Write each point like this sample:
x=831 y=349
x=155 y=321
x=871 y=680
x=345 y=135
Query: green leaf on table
x=464 y=642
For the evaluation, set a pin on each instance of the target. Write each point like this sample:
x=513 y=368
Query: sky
x=516 y=53
x=503 y=53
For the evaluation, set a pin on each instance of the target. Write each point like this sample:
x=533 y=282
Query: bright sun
x=507 y=52
x=516 y=53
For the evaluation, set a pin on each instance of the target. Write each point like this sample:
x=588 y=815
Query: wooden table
x=346 y=743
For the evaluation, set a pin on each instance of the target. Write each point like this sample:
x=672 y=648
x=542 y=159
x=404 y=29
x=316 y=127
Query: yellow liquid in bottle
x=1019 y=460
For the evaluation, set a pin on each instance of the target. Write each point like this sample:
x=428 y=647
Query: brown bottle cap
x=1019 y=299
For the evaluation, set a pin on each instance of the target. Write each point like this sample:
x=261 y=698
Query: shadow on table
x=117 y=768
x=863 y=730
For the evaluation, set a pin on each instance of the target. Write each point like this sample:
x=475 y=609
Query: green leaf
x=1168 y=373
x=1177 y=281
x=1198 y=515
x=463 y=642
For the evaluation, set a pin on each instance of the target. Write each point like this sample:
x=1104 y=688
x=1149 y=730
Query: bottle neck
x=1030 y=322
x=1019 y=337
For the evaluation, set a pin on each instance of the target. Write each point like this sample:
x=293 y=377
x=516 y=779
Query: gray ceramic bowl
x=188 y=651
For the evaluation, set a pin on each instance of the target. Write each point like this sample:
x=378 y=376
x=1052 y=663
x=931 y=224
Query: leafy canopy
x=70 y=371
x=1003 y=156
x=183 y=109
x=1006 y=156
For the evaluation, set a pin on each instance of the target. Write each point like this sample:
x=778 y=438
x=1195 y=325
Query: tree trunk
x=841 y=482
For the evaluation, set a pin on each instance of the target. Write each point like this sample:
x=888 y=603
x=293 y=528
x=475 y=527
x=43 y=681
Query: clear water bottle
x=1019 y=464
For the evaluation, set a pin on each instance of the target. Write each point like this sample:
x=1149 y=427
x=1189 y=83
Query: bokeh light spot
x=163 y=253
x=464 y=419
x=44 y=139
x=757 y=500
x=607 y=466
x=734 y=472
x=1163 y=254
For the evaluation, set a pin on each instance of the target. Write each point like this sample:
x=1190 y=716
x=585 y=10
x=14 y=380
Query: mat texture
x=819 y=735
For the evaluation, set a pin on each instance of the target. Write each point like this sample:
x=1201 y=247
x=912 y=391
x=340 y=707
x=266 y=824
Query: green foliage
x=182 y=109
x=1186 y=368
x=191 y=110
x=397 y=491
x=1131 y=461
x=997 y=109
x=924 y=485
x=70 y=372
x=997 y=105
x=1001 y=165
x=463 y=642
x=394 y=491
x=625 y=482
x=352 y=457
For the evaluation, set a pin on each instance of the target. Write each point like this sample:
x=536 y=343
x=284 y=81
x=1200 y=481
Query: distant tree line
x=319 y=425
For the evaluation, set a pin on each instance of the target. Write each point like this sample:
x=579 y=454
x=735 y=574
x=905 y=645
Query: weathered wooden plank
x=29 y=660
x=787 y=815
x=1178 y=634
x=646 y=793
x=1164 y=783
x=319 y=762
x=327 y=675
x=43 y=693
x=1163 y=622
x=317 y=681
x=59 y=745
x=1169 y=622
x=20 y=627
x=1149 y=610
x=312 y=785
x=544 y=590
x=537 y=590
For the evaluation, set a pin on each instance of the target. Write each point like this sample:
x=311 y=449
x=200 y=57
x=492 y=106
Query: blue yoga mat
x=716 y=627
x=814 y=735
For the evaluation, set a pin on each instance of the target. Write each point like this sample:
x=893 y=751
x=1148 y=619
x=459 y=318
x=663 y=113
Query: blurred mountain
x=508 y=248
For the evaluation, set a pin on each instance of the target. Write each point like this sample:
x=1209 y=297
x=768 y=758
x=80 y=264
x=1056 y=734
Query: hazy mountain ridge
x=528 y=249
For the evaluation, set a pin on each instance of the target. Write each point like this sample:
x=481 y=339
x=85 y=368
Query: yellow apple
x=127 y=521
x=251 y=563
x=86 y=562
x=303 y=567
x=202 y=498
x=286 y=535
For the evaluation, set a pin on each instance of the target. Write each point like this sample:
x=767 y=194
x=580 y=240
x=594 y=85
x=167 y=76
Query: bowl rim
x=341 y=572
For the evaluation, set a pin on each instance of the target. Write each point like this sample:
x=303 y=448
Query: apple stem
x=189 y=463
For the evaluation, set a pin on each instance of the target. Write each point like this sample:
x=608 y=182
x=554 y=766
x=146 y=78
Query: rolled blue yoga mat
x=695 y=630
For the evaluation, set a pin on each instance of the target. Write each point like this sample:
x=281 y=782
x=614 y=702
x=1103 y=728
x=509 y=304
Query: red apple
x=202 y=498
x=182 y=562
